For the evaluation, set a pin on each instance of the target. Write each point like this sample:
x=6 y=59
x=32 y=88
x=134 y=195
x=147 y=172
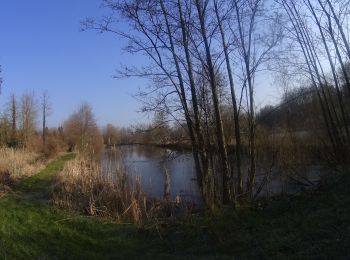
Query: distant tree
x=111 y=135
x=298 y=110
x=4 y=130
x=81 y=131
x=28 y=114
x=46 y=110
x=9 y=120
x=317 y=32
x=1 y=80
x=343 y=80
x=266 y=116
x=160 y=128
x=12 y=118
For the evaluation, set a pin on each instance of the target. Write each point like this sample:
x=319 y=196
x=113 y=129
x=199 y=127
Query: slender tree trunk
x=13 y=120
x=335 y=43
x=313 y=58
x=251 y=115
x=330 y=60
x=185 y=43
x=304 y=47
x=234 y=103
x=218 y=120
x=340 y=27
x=195 y=149
x=44 y=127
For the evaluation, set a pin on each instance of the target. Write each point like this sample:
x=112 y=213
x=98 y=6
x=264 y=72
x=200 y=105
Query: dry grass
x=82 y=187
x=18 y=163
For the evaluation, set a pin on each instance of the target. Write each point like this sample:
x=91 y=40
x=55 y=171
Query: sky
x=42 y=48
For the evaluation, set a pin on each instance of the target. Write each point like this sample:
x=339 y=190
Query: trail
x=312 y=225
x=37 y=187
x=32 y=228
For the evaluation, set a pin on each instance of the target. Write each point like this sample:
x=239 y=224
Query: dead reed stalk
x=82 y=187
x=17 y=163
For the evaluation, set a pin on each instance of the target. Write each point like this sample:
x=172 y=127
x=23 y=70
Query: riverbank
x=311 y=225
x=180 y=147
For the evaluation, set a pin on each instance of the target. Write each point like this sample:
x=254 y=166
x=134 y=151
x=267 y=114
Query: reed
x=82 y=187
x=17 y=163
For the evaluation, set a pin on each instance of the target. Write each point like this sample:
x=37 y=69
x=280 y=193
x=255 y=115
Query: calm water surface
x=162 y=172
x=167 y=173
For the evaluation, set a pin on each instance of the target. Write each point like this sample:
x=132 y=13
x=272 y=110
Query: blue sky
x=42 y=48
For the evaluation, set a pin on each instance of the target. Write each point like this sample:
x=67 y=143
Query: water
x=162 y=172
x=168 y=174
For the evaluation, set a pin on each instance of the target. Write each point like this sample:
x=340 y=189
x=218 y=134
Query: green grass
x=31 y=229
x=41 y=181
x=313 y=225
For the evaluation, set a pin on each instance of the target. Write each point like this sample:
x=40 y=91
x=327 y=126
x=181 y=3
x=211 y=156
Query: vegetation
x=82 y=187
x=30 y=228
x=18 y=126
x=310 y=225
x=206 y=60
x=82 y=133
x=17 y=164
x=191 y=66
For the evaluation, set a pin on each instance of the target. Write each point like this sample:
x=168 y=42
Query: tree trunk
x=234 y=103
x=218 y=120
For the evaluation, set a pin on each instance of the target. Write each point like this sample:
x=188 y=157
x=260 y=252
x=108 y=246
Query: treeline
x=299 y=110
x=158 y=132
x=19 y=124
x=23 y=124
x=204 y=62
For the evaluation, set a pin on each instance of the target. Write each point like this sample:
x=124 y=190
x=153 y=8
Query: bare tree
x=220 y=20
x=111 y=135
x=46 y=111
x=82 y=133
x=4 y=131
x=256 y=33
x=302 y=14
x=166 y=70
x=338 y=23
x=186 y=44
x=201 y=7
x=13 y=119
x=28 y=113
x=1 y=80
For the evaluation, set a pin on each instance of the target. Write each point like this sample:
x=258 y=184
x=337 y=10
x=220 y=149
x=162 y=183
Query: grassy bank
x=312 y=225
x=31 y=229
